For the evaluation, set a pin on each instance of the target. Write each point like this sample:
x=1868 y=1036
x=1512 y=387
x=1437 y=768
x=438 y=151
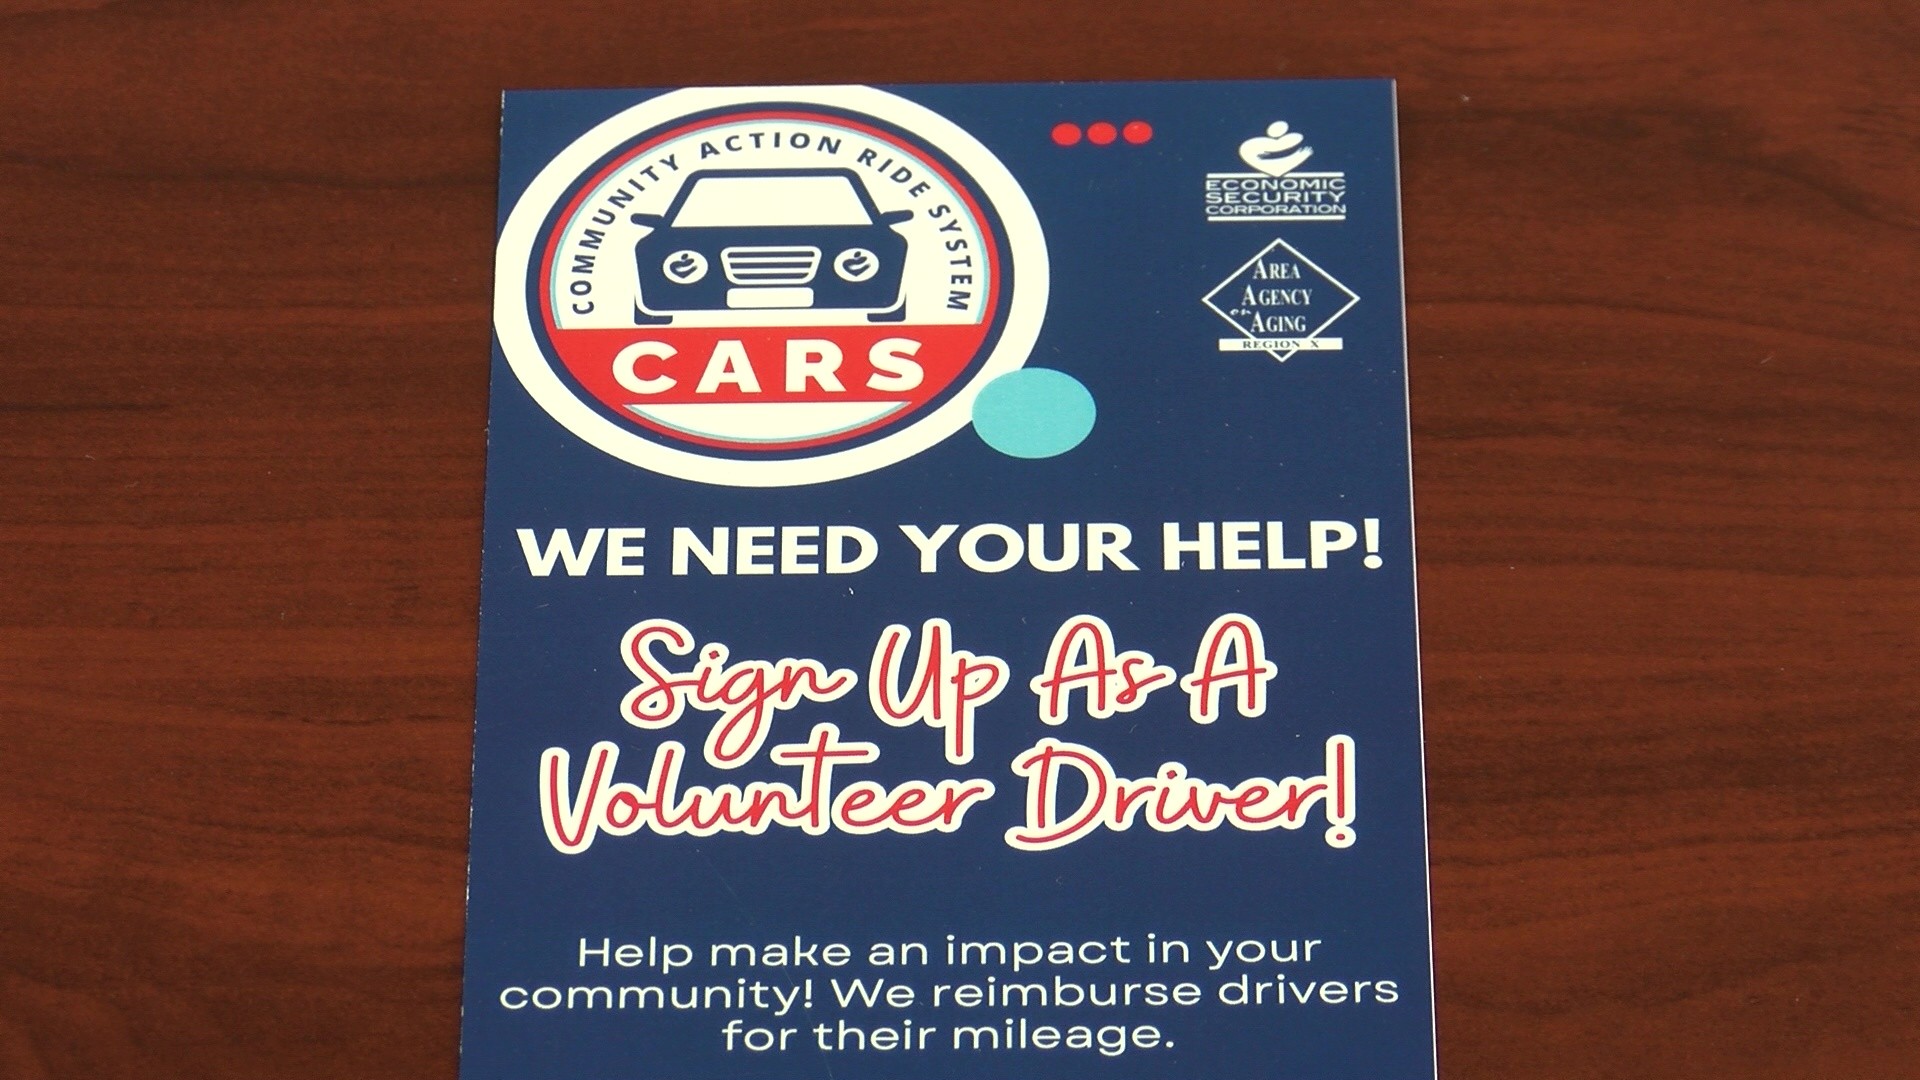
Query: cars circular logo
x=764 y=288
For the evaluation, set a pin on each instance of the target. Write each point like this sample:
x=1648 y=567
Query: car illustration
x=746 y=239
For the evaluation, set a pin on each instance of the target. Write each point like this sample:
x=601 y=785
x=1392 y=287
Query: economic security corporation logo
x=768 y=287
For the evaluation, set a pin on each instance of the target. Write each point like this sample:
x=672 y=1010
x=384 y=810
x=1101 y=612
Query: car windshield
x=732 y=201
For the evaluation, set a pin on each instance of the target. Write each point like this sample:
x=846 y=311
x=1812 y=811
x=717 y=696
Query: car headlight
x=856 y=264
x=684 y=267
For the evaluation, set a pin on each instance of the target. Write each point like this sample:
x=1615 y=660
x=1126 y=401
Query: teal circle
x=1033 y=413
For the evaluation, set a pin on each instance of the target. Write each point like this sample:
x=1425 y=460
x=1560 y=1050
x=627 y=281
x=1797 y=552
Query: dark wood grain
x=1666 y=393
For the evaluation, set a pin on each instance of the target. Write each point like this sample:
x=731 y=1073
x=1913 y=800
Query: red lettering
x=948 y=685
x=1232 y=656
x=1172 y=799
x=746 y=694
x=1083 y=657
x=812 y=804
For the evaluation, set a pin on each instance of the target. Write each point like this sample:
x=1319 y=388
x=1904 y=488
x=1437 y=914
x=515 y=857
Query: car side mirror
x=651 y=221
x=895 y=217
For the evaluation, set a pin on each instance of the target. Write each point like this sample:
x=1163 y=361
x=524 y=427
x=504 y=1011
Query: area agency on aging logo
x=768 y=287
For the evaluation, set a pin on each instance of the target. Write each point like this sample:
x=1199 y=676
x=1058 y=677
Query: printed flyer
x=948 y=592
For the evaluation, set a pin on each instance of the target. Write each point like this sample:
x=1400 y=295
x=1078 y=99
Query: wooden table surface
x=1666 y=408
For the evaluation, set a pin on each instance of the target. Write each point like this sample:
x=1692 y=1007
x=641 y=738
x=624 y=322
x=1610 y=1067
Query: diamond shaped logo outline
x=1352 y=297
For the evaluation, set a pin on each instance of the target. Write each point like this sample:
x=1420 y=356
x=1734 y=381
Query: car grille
x=770 y=265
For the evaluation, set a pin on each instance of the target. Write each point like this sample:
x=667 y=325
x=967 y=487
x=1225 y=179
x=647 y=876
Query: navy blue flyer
x=948 y=593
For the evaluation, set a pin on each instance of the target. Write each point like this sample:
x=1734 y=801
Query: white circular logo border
x=1026 y=308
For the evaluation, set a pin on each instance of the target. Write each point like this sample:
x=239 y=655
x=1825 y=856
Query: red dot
x=1066 y=134
x=1101 y=134
x=1137 y=131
